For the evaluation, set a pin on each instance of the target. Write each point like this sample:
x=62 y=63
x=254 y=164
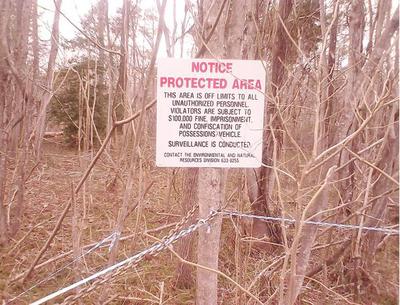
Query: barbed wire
x=100 y=244
x=318 y=223
x=174 y=235
x=120 y=268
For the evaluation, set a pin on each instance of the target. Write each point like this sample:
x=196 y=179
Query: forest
x=199 y=152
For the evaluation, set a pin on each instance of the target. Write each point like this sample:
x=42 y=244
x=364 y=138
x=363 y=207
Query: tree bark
x=4 y=82
x=127 y=206
x=260 y=180
x=210 y=196
x=304 y=240
x=305 y=234
x=41 y=121
x=210 y=180
x=23 y=98
x=330 y=102
x=185 y=248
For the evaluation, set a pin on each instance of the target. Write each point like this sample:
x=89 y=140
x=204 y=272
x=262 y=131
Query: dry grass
x=152 y=282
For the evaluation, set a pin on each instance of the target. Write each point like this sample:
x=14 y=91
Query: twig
x=331 y=290
x=372 y=165
x=211 y=270
x=49 y=240
x=26 y=235
x=79 y=185
x=62 y=255
x=217 y=272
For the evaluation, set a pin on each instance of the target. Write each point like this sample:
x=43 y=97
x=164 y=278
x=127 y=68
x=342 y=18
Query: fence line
x=108 y=239
x=150 y=251
x=168 y=240
x=311 y=222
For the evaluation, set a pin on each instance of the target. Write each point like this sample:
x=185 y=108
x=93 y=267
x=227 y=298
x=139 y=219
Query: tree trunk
x=210 y=196
x=5 y=117
x=127 y=206
x=210 y=181
x=110 y=104
x=305 y=234
x=330 y=103
x=185 y=248
x=3 y=157
x=387 y=162
x=122 y=84
x=41 y=120
x=260 y=184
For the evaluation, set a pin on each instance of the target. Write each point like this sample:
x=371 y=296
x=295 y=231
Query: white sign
x=210 y=113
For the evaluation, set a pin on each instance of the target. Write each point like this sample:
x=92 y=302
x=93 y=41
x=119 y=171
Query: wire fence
x=123 y=266
x=311 y=222
x=108 y=240
x=174 y=235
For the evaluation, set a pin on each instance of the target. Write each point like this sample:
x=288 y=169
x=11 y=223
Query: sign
x=209 y=113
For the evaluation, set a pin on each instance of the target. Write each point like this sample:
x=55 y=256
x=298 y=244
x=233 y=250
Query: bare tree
x=41 y=120
x=330 y=155
x=127 y=205
x=15 y=119
x=260 y=181
x=185 y=248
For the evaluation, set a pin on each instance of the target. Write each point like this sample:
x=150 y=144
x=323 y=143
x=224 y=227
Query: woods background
x=77 y=145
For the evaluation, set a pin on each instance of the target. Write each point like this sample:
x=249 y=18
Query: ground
x=49 y=188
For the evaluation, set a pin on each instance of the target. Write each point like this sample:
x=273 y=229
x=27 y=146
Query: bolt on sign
x=209 y=113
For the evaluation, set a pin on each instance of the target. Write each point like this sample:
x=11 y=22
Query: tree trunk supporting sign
x=210 y=196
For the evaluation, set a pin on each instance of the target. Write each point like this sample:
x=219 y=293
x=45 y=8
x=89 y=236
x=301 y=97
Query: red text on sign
x=214 y=67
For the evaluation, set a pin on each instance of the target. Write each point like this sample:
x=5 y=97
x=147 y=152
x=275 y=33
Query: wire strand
x=150 y=251
x=101 y=243
x=317 y=223
x=173 y=237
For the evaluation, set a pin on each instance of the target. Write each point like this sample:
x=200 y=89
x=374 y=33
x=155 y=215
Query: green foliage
x=81 y=92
